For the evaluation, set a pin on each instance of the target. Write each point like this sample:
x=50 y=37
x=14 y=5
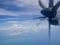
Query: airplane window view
x=29 y=22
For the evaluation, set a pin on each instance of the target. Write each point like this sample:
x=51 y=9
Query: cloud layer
x=18 y=7
x=15 y=15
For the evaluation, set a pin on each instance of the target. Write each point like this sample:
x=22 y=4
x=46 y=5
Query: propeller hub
x=49 y=12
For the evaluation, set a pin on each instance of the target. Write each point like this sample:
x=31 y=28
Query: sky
x=18 y=26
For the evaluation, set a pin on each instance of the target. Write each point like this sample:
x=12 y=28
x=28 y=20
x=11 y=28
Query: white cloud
x=5 y=12
x=31 y=2
x=32 y=12
x=23 y=27
x=20 y=3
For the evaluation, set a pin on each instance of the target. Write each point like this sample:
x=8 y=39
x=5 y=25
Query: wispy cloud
x=17 y=8
x=17 y=28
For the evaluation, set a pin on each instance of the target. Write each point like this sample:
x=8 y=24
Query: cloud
x=31 y=2
x=30 y=7
x=17 y=8
x=21 y=7
x=5 y=12
x=15 y=28
x=19 y=28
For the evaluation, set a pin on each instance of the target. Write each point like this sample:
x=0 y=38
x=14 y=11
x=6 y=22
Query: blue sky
x=17 y=26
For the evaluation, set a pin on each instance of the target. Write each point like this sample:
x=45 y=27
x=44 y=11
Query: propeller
x=45 y=10
x=49 y=13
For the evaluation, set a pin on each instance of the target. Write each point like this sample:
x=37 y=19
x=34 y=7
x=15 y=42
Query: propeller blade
x=41 y=5
x=49 y=28
x=41 y=18
x=56 y=6
x=51 y=3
